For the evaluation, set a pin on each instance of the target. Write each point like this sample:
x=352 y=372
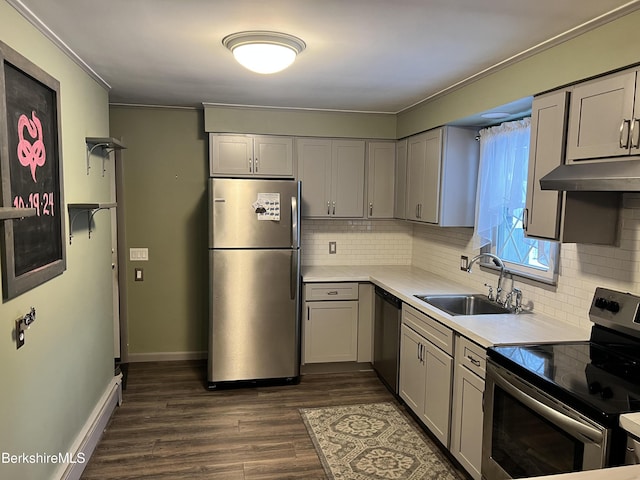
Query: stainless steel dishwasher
x=386 y=338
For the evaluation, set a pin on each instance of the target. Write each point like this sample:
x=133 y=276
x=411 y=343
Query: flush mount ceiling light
x=264 y=52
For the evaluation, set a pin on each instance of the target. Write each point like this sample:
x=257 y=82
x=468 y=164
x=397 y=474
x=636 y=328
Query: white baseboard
x=90 y=435
x=166 y=356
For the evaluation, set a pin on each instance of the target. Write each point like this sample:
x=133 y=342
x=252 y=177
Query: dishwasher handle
x=389 y=298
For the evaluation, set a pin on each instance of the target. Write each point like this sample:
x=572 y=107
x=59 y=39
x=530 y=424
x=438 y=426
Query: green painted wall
x=165 y=172
x=52 y=384
x=608 y=47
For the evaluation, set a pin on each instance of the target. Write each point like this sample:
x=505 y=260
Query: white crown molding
x=57 y=41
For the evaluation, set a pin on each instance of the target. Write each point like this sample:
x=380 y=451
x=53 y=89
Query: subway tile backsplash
x=396 y=242
x=358 y=242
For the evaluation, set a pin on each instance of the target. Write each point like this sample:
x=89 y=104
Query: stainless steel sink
x=464 y=304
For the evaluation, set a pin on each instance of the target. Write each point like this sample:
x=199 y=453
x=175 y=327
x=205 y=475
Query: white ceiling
x=361 y=55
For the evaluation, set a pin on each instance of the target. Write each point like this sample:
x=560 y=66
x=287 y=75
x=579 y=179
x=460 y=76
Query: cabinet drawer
x=471 y=356
x=430 y=329
x=331 y=291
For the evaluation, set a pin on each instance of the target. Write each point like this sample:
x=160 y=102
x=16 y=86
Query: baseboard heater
x=90 y=435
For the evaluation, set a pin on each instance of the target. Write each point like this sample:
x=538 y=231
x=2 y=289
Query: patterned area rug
x=373 y=442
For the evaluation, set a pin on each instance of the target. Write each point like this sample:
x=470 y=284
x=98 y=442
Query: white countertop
x=486 y=330
x=631 y=423
x=405 y=281
x=629 y=472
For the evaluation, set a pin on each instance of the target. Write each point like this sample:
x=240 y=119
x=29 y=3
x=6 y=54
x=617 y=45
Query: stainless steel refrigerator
x=254 y=265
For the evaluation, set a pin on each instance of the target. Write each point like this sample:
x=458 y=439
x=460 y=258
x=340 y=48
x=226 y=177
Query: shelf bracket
x=91 y=209
x=107 y=144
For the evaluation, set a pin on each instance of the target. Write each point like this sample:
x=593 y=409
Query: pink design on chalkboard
x=31 y=155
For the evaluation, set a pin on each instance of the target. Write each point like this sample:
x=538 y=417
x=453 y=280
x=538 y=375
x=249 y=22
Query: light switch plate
x=332 y=248
x=464 y=262
x=139 y=254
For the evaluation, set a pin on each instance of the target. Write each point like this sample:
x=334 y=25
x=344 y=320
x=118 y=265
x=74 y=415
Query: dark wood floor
x=171 y=427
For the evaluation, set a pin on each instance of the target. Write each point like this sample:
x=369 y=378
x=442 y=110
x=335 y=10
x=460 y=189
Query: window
x=502 y=191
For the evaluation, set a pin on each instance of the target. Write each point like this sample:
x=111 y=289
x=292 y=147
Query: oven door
x=527 y=433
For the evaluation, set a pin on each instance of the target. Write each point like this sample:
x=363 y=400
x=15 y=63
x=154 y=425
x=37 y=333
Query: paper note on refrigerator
x=267 y=206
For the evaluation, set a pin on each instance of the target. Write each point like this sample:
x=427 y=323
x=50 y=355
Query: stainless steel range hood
x=609 y=176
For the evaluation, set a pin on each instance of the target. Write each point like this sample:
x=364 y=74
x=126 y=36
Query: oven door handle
x=568 y=424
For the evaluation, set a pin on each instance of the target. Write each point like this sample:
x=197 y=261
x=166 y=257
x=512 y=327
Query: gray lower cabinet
x=468 y=392
x=330 y=330
x=426 y=368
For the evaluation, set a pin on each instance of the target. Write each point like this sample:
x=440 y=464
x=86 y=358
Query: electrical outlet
x=464 y=263
x=139 y=275
x=332 y=248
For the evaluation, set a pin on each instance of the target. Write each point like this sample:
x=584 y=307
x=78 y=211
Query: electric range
x=568 y=395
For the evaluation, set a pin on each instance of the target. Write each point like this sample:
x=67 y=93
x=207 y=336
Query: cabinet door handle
x=328 y=207
x=475 y=361
x=308 y=313
x=635 y=144
x=624 y=144
x=525 y=219
x=256 y=164
x=417 y=211
x=332 y=292
x=370 y=208
x=250 y=166
x=334 y=208
x=419 y=347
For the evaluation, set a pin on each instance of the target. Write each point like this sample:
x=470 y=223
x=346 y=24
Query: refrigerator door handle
x=294 y=222
x=293 y=281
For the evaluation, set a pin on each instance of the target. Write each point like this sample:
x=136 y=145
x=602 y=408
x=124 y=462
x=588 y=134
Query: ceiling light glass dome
x=264 y=52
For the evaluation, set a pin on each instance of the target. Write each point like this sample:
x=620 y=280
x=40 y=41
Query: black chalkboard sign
x=31 y=170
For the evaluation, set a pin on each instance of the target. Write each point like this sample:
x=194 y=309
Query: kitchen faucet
x=498 y=262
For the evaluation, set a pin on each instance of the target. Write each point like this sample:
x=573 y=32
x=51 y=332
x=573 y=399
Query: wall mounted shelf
x=90 y=208
x=107 y=144
x=11 y=213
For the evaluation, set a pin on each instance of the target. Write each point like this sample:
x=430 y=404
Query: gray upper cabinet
x=442 y=173
x=562 y=216
x=604 y=119
x=546 y=152
x=423 y=176
x=381 y=166
x=399 y=209
x=260 y=156
x=332 y=174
